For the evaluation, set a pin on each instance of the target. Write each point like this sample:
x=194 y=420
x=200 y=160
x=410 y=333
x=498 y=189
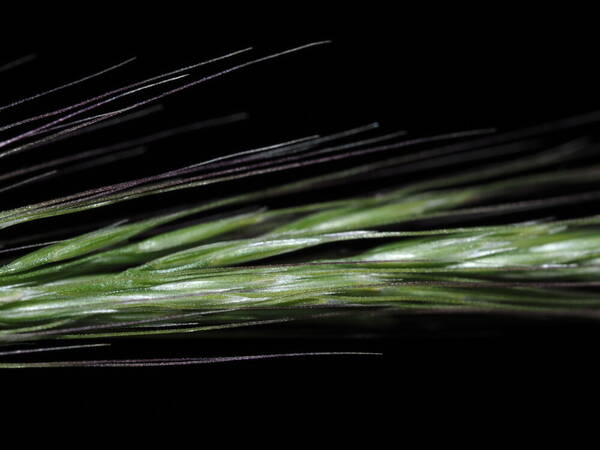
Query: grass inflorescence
x=233 y=262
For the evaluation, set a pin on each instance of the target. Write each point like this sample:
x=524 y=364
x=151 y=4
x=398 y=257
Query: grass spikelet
x=233 y=262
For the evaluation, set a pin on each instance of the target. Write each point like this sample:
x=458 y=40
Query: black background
x=426 y=72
